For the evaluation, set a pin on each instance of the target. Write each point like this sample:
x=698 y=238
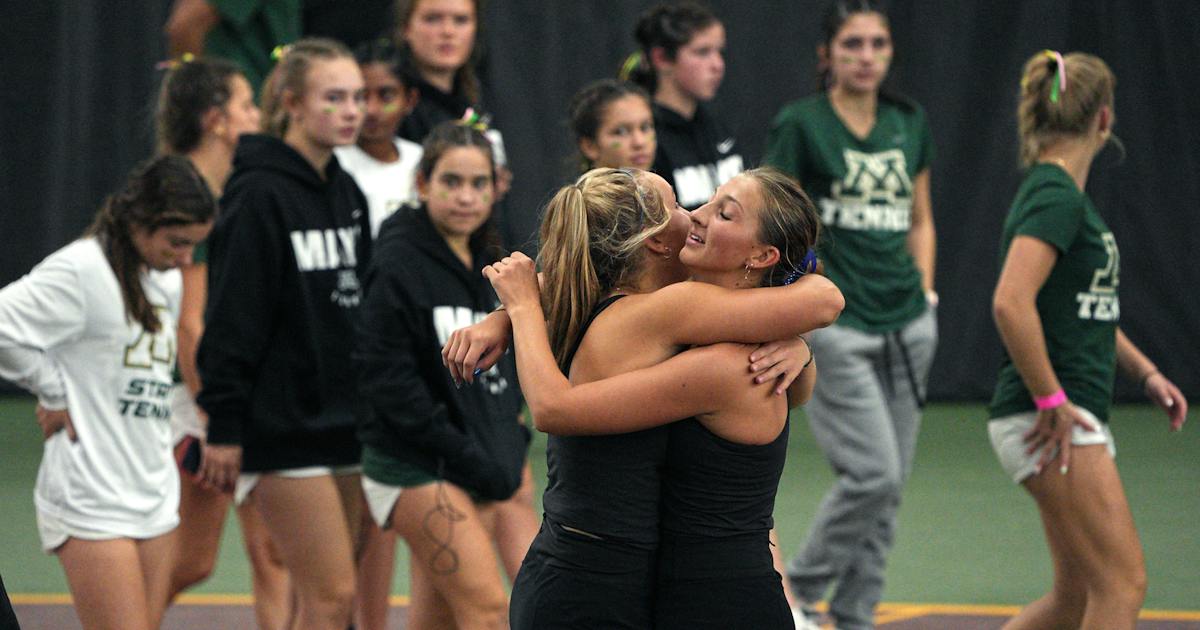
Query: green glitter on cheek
x=615 y=145
x=845 y=60
x=443 y=195
x=391 y=108
x=329 y=110
x=487 y=198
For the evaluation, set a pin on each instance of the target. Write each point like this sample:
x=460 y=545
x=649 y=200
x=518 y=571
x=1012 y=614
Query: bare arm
x=1014 y=306
x=696 y=313
x=922 y=238
x=188 y=25
x=191 y=322
x=1157 y=387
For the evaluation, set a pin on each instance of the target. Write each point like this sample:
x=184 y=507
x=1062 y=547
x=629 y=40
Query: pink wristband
x=1050 y=402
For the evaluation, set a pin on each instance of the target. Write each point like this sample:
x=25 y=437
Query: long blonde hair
x=1047 y=111
x=291 y=75
x=591 y=234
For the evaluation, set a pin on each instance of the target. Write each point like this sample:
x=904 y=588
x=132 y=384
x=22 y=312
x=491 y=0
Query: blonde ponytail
x=1060 y=94
x=590 y=235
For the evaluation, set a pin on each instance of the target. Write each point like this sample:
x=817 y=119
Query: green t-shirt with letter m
x=1078 y=304
x=863 y=188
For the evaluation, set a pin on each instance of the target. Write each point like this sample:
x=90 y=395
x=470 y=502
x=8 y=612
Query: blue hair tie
x=808 y=264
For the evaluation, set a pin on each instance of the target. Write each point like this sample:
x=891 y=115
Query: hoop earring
x=667 y=256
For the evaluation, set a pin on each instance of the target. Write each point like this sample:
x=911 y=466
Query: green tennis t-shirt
x=250 y=30
x=863 y=189
x=1078 y=304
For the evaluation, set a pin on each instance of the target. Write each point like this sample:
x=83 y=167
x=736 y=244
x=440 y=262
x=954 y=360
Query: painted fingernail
x=478 y=371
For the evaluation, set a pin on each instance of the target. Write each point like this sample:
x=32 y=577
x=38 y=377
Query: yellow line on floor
x=191 y=599
x=888 y=611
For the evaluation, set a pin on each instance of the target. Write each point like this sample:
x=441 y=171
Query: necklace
x=1059 y=161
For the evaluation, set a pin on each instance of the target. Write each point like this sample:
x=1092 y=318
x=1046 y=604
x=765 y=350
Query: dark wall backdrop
x=79 y=84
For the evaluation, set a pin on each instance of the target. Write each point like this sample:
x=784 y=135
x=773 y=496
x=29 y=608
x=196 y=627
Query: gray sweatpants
x=864 y=414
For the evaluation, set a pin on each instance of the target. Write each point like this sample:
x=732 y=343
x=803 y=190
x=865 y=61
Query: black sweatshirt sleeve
x=392 y=384
x=246 y=258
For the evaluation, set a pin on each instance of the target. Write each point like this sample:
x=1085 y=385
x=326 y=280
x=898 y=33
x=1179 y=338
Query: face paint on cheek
x=882 y=57
x=616 y=144
x=845 y=60
x=443 y=195
x=329 y=109
x=391 y=108
x=487 y=198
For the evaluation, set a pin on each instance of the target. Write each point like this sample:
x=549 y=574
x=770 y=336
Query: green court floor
x=967 y=535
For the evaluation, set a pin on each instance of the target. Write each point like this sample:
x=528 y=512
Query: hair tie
x=1060 y=75
x=472 y=119
x=171 y=64
x=631 y=64
x=807 y=265
x=280 y=51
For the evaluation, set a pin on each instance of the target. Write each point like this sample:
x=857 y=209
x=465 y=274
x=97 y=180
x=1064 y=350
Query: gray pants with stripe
x=864 y=414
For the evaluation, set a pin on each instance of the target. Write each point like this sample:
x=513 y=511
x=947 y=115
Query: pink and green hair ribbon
x=1060 y=75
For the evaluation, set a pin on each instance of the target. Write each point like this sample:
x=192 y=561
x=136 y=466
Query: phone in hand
x=187 y=453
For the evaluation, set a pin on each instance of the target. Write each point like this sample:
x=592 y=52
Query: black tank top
x=606 y=486
x=717 y=488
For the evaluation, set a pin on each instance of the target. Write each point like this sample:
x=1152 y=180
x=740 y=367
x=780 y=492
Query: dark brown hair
x=669 y=26
x=589 y=105
x=163 y=192
x=189 y=91
x=454 y=134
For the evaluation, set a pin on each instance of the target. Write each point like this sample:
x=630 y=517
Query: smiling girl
x=719 y=471
x=275 y=366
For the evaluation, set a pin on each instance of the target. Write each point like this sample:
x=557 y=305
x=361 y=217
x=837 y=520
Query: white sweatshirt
x=65 y=337
x=386 y=185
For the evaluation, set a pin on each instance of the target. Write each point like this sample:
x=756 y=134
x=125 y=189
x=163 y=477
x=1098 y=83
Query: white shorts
x=54 y=531
x=247 y=481
x=381 y=498
x=1007 y=440
x=185 y=420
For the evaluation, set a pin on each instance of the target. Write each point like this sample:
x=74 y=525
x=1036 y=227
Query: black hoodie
x=694 y=156
x=417 y=292
x=283 y=294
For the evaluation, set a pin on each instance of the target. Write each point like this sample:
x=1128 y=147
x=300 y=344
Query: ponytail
x=591 y=234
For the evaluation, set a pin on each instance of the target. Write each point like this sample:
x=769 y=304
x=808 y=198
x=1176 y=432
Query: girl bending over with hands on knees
x=277 y=381
x=91 y=332
x=1056 y=307
x=724 y=459
x=439 y=460
x=610 y=250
